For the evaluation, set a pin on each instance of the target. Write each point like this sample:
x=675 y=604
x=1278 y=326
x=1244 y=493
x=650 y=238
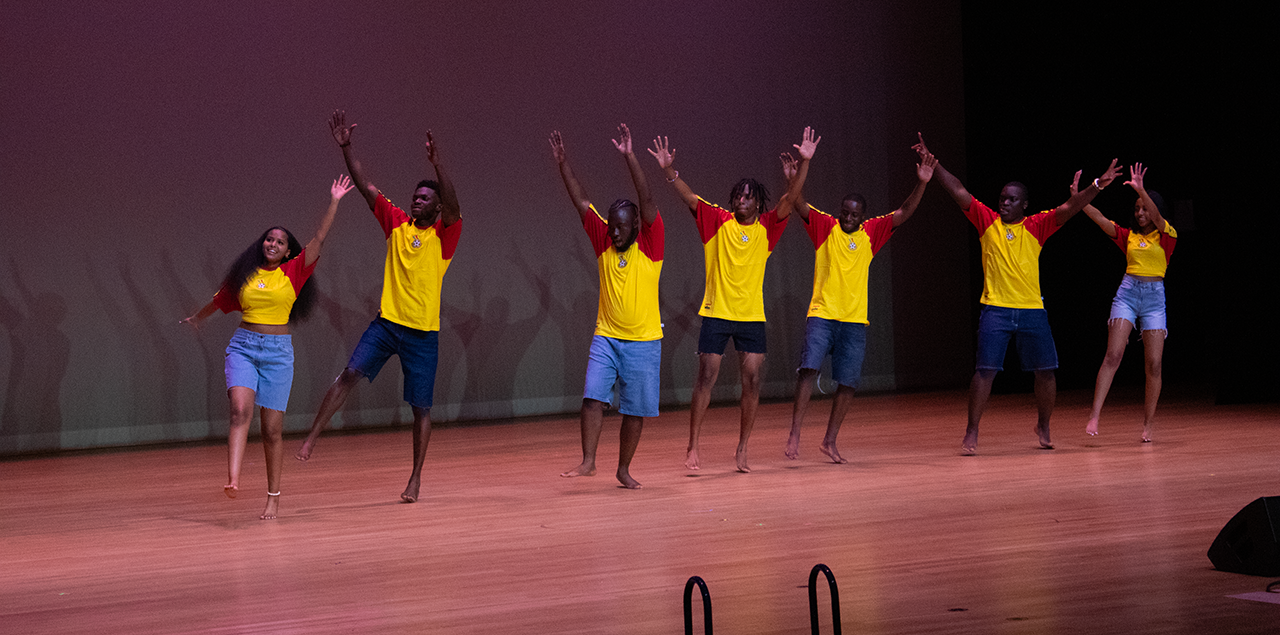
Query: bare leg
x=708 y=370
x=333 y=400
x=1046 y=395
x=1117 y=338
x=749 y=365
x=839 y=408
x=592 y=421
x=804 y=390
x=1153 y=345
x=630 y=440
x=421 y=437
x=273 y=448
x=237 y=435
x=979 y=395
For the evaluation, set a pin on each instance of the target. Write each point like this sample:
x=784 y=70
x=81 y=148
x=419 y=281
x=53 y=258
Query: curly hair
x=251 y=259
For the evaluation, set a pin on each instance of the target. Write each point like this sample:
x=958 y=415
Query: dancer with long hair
x=268 y=285
x=1139 y=301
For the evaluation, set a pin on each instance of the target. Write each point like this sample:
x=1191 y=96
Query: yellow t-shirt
x=268 y=295
x=628 y=281
x=1011 y=256
x=735 y=256
x=417 y=260
x=1146 y=254
x=842 y=263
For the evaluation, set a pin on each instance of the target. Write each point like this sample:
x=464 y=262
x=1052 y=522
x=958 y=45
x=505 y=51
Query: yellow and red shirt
x=417 y=259
x=268 y=295
x=735 y=256
x=1011 y=256
x=842 y=263
x=628 y=281
x=1146 y=254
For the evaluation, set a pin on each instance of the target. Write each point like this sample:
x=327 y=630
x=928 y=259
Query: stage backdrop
x=147 y=143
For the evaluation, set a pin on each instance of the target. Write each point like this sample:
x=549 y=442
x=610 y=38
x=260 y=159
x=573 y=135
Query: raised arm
x=1136 y=175
x=576 y=193
x=924 y=172
x=949 y=182
x=790 y=166
x=1092 y=212
x=449 y=210
x=648 y=210
x=795 y=184
x=340 y=187
x=1080 y=198
x=342 y=135
x=665 y=155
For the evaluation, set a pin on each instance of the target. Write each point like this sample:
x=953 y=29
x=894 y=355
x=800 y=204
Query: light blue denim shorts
x=1141 y=303
x=262 y=363
x=633 y=366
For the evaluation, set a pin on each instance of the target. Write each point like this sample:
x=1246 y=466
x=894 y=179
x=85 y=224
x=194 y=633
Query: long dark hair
x=1159 y=201
x=251 y=259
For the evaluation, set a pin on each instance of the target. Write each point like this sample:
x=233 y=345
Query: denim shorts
x=748 y=337
x=633 y=366
x=1141 y=303
x=846 y=342
x=262 y=363
x=1029 y=329
x=418 y=351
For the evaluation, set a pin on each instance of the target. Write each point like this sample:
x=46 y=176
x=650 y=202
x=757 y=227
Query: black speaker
x=1250 y=542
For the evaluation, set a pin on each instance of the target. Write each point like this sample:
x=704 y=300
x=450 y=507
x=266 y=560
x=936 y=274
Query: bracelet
x=1095 y=184
x=271 y=493
x=673 y=179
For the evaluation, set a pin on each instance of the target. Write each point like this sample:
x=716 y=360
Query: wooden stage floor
x=1102 y=535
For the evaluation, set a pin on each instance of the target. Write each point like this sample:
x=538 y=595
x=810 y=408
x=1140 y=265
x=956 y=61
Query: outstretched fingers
x=662 y=152
x=808 y=144
x=1075 y=182
x=340 y=187
x=557 y=146
x=623 y=142
x=789 y=164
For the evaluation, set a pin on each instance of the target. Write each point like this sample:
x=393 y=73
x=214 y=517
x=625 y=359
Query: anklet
x=271 y=493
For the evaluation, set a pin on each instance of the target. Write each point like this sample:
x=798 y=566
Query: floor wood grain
x=1102 y=535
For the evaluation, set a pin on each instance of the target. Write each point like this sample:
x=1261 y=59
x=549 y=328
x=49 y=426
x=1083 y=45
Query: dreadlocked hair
x=252 y=259
x=754 y=188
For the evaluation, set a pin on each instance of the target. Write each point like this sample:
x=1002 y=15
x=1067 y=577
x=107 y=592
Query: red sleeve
x=653 y=239
x=297 y=271
x=879 y=230
x=1167 y=243
x=597 y=231
x=389 y=216
x=709 y=219
x=226 y=301
x=980 y=215
x=1122 y=238
x=1041 y=225
x=449 y=235
x=773 y=227
x=819 y=226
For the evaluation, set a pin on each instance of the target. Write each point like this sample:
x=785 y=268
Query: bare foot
x=832 y=453
x=1043 y=436
x=691 y=460
x=969 y=446
x=624 y=477
x=586 y=469
x=1147 y=429
x=304 y=452
x=273 y=507
x=793 y=447
x=230 y=490
x=741 y=457
x=1091 y=428
x=410 y=494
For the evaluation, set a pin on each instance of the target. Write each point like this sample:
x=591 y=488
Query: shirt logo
x=742 y=235
x=1008 y=234
x=262 y=284
x=853 y=246
x=1142 y=244
x=622 y=261
x=416 y=243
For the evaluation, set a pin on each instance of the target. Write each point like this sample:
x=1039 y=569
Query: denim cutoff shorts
x=1141 y=303
x=262 y=363
x=846 y=342
x=633 y=366
x=1029 y=328
x=418 y=350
